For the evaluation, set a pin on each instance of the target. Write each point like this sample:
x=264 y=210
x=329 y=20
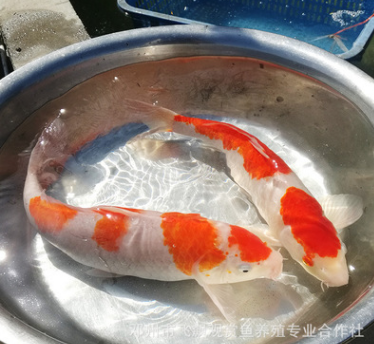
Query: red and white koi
x=165 y=246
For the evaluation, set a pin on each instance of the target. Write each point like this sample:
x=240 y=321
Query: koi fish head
x=331 y=270
x=246 y=258
x=214 y=252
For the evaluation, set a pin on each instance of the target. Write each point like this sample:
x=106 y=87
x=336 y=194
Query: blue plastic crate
x=312 y=21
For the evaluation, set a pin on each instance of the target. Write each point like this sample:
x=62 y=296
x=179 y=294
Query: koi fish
x=148 y=244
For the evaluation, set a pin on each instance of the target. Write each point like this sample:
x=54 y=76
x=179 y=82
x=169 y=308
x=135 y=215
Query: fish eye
x=245 y=268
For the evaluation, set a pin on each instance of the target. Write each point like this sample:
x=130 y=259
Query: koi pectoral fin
x=222 y=296
x=342 y=210
x=260 y=298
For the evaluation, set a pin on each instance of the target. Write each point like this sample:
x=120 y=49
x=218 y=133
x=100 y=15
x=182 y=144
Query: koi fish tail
x=155 y=117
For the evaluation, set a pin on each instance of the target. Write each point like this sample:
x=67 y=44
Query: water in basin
x=46 y=288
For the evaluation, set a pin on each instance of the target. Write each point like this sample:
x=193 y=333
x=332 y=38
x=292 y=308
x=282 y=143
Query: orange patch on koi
x=309 y=226
x=191 y=239
x=110 y=229
x=259 y=160
x=48 y=216
x=252 y=249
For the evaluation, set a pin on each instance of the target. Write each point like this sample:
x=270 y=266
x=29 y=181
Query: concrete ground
x=31 y=29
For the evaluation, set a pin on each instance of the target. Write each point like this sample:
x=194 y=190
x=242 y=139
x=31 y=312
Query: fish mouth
x=335 y=278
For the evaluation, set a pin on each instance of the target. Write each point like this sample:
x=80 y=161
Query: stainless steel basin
x=316 y=106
